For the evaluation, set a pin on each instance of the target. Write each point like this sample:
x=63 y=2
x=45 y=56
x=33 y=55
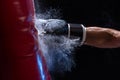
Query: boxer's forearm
x=102 y=37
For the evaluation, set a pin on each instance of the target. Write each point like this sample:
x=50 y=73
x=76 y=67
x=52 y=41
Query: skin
x=102 y=37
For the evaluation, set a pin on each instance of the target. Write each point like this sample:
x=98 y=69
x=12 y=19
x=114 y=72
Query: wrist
x=77 y=30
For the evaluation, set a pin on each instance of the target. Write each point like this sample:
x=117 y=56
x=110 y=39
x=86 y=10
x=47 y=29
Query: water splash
x=57 y=50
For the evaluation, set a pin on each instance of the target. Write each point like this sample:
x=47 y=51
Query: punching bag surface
x=20 y=57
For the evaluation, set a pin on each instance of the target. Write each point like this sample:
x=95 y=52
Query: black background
x=91 y=62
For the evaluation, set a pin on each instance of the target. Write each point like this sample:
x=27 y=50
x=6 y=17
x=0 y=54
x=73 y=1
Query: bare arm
x=102 y=37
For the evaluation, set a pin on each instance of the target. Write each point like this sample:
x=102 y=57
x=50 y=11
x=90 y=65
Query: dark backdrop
x=92 y=63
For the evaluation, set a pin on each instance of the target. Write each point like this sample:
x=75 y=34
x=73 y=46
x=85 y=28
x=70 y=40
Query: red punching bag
x=20 y=58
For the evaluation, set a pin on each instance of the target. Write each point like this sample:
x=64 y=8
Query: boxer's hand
x=56 y=27
x=52 y=26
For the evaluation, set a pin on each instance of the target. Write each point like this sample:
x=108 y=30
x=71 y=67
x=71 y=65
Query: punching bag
x=20 y=56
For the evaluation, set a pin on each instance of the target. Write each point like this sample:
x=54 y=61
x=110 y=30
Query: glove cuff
x=77 y=30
